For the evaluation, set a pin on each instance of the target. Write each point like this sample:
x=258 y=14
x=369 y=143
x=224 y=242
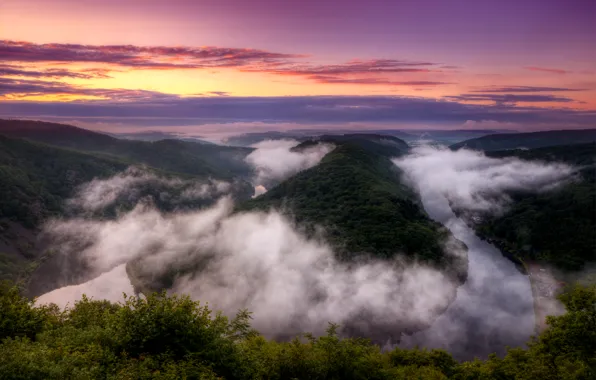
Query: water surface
x=492 y=310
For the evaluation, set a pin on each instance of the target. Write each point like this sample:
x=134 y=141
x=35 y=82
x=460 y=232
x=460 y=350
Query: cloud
x=275 y=160
x=209 y=57
x=511 y=98
x=259 y=261
x=219 y=93
x=12 y=88
x=349 y=72
x=495 y=307
x=130 y=185
x=373 y=66
x=372 y=81
x=496 y=89
x=472 y=181
x=139 y=57
x=547 y=70
x=13 y=70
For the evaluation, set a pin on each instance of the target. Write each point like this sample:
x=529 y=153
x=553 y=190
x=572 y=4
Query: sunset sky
x=265 y=64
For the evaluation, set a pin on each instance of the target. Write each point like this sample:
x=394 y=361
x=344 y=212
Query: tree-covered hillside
x=556 y=227
x=356 y=200
x=383 y=145
x=36 y=180
x=357 y=196
x=164 y=337
x=169 y=155
x=504 y=141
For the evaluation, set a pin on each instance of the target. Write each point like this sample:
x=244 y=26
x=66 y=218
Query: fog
x=274 y=160
x=128 y=185
x=474 y=182
x=258 y=261
x=494 y=309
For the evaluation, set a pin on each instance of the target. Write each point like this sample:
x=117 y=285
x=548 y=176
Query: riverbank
x=544 y=283
x=545 y=289
x=544 y=286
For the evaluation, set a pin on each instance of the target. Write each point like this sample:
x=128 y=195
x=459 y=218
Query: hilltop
x=170 y=155
x=557 y=227
x=505 y=141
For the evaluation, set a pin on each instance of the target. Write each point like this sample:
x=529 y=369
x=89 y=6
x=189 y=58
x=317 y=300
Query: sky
x=194 y=65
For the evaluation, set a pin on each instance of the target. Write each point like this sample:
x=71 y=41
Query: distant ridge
x=529 y=140
x=171 y=155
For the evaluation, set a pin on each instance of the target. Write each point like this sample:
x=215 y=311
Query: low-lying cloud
x=259 y=261
x=494 y=308
x=129 y=185
x=275 y=160
x=472 y=181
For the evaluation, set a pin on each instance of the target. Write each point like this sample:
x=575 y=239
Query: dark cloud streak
x=372 y=81
x=13 y=70
x=142 y=57
x=511 y=98
x=547 y=70
x=524 y=89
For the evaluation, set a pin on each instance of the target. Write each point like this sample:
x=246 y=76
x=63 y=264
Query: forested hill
x=389 y=146
x=161 y=337
x=36 y=180
x=504 y=141
x=170 y=155
x=357 y=195
x=557 y=227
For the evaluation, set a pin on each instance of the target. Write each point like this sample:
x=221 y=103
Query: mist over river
x=492 y=310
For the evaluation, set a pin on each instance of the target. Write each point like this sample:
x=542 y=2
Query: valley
x=366 y=206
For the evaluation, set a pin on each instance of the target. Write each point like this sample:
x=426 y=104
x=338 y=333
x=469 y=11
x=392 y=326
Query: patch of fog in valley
x=275 y=160
x=494 y=309
x=259 y=261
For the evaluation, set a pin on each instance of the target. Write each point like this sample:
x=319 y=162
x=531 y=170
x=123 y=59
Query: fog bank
x=472 y=181
x=258 y=261
x=494 y=309
x=274 y=160
x=129 y=185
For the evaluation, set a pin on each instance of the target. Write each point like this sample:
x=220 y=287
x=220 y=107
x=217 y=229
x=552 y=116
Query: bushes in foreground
x=165 y=337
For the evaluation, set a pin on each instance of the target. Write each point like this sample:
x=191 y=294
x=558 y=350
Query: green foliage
x=18 y=317
x=503 y=141
x=165 y=337
x=169 y=155
x=35 y=179
x=357 y=195
x=559 y=226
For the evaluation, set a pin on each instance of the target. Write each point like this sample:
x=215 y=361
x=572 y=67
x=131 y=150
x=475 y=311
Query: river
x=492 y=310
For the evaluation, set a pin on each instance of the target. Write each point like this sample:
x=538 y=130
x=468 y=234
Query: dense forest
x=356 y=199
x=557 y=227
x=504 y=141
x=36 y=179
x=163 y=337
x=357 y=195
x=169 y=155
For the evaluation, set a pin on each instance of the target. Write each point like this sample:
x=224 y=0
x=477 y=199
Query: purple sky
x=491 y=60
